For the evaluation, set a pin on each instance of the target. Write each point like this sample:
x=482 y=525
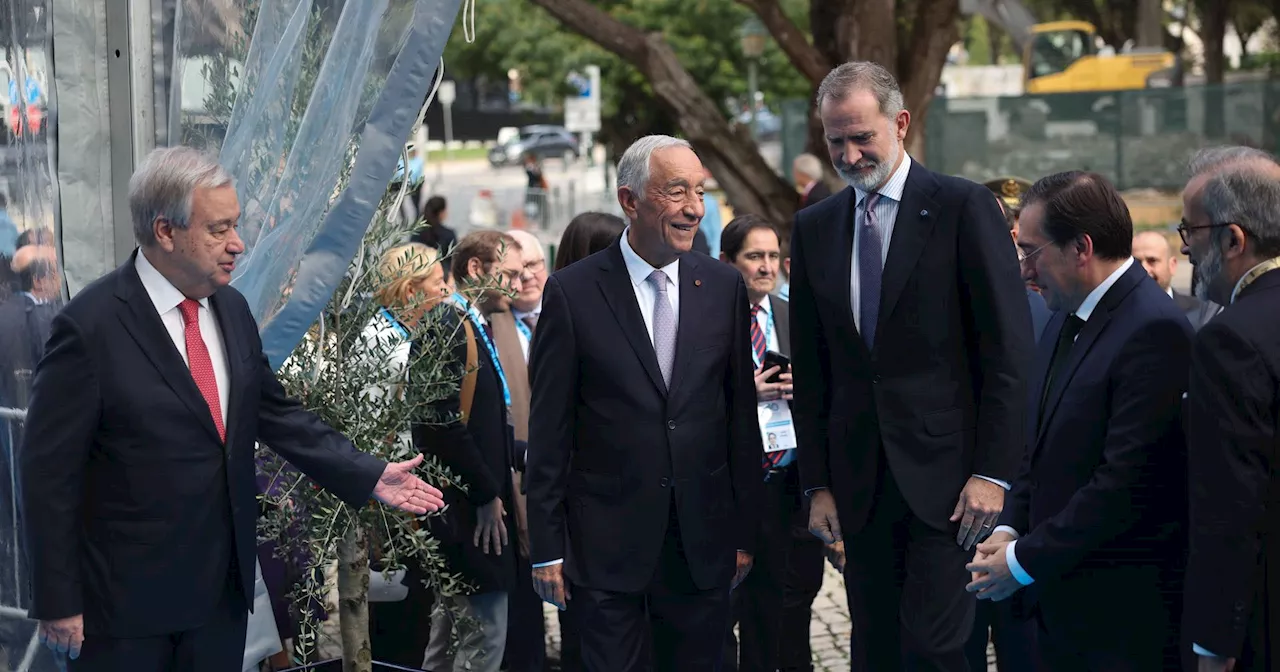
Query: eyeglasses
x=535 y=266
x=1023 y=257
x=1185 y=229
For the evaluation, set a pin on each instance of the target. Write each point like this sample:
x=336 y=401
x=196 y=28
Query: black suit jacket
x=480 y=453
x=136 y=512
x=1102 y=486
x=944 y=390
x=818 y=193
x=781 y=323
x=1040 y=313
x=1232 y=591
x=608 y=442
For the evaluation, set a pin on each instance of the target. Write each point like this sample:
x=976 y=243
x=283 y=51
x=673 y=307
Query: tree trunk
x=1150 y=20
x=735 y=160
x=353 y=600
x=935 y=28
x=1213 y=31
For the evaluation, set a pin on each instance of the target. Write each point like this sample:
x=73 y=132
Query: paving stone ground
x=828 y=630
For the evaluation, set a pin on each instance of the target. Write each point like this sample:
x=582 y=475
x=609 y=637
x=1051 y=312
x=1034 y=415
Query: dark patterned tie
x=758 y=343
x=870 y=266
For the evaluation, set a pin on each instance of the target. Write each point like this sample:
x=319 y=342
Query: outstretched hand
x=401 y=489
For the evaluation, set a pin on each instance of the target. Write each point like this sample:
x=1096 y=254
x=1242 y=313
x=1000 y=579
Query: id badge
x=777 y=432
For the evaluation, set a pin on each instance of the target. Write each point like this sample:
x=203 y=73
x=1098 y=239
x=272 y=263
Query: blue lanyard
x=524 y=329
x=768 y=323
x=400 y=328
x=474 y=315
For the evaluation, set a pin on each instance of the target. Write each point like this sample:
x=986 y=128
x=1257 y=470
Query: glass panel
x=31 y=287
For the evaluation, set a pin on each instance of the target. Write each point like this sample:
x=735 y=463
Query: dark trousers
x=526 y=649
x=906 y=587
x=1014 y=638
x=570 y=640
x=773 y=605
x=673 y=626
x=216 y=646
x=400 y=631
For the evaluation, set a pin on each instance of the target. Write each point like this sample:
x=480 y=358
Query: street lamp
x=753 y=39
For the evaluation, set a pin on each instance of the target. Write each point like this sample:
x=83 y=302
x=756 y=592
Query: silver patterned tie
x=664 y=326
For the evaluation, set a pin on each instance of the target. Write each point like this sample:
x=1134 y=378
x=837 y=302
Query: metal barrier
x=13 y=617
x=1138 y=139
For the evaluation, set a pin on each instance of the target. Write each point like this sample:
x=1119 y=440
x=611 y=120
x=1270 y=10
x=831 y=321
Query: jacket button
x=875 y=380
x=671 y=424
x=665 y=482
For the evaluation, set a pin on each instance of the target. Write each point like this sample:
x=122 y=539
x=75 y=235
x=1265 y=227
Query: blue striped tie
x=870 y=266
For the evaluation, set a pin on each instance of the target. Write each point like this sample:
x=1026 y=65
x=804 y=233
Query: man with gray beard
x=1231 y=233
x=911 y=338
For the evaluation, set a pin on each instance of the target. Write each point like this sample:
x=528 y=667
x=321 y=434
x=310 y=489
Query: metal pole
x=448 y=130
x=13 y=497
x=751 y=94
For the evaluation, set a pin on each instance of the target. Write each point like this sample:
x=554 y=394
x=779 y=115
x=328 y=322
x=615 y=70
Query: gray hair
x=163 y=184
x=1249 y=198
x=633 y=167
x=863 y=75
x=809 y=165
x=1214 y=158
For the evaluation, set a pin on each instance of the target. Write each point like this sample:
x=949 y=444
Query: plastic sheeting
x=316 y=75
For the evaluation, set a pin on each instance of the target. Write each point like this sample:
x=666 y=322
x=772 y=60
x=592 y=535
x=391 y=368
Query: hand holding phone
x=772 y=359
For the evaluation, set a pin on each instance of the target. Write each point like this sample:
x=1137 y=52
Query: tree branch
x=804 y=57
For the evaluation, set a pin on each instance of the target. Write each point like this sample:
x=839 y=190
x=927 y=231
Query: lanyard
x=768 y=323
x=524 y=329
x=474 y=315
x=400 y=329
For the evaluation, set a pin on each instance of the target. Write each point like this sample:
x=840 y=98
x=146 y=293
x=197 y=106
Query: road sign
x=447 y=93
x=581 y=115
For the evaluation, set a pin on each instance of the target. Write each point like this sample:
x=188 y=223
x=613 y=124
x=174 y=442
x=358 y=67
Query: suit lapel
x=911 y=230
x=1093 y=328
x=144 y=325
x=842 y=247
x=1044 y=357
x=781 y=324
x=691 y=307
x=620 y=296
x=235 y=359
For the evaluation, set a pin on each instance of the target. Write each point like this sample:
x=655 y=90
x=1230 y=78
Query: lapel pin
x=924 y=213
x=697 y=283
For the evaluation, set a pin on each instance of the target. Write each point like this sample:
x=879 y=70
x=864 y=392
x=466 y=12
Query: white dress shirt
x=165 y=297
x=639 y=270
x=1083 y=312
x=525 y=341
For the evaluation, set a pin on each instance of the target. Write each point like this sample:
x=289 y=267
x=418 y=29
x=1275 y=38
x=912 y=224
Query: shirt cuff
x=994 y=480
x=1005 y=528
x=1201 y=651
x=548 y=564
x=1018 y=572
x=810 y=491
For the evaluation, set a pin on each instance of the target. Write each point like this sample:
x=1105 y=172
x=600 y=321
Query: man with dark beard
x=910 y=340
x=1230 y=232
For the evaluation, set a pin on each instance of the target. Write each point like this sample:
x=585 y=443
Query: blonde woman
x=412 y=284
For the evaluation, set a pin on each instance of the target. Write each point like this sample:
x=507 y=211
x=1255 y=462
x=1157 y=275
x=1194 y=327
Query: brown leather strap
x=473 y=369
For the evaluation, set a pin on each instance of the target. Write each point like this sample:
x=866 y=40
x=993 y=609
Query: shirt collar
x=639 y=269
x=1091 y=301
x=163 y=294
x=1169 y=292
x=520 y=314
x=766 y=306
x=892 y=189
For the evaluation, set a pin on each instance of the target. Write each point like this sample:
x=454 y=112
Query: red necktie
x=201 y=365
x=758 y=343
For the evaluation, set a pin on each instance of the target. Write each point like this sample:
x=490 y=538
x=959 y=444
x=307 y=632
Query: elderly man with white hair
x=806 y=172
x=644 y=448
x=527 y=307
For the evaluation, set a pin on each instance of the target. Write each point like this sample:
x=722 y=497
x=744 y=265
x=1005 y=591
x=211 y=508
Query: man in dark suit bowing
x=644 y=449
x=137 y=465
x=911 y=337
x=1230 y=232
x=1094 y=525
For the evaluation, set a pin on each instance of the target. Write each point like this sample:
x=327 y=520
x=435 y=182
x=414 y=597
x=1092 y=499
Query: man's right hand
x=823 y=521
x=64 y=635
x=490 y=529
x=549 y=583
x=769 y=391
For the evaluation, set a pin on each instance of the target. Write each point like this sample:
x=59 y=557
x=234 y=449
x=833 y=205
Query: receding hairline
x=1154 y=236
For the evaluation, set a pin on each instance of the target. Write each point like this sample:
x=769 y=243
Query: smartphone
x=772 y=359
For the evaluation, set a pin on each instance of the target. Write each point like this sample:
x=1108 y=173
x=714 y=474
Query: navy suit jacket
x=1103 y=482
x=608 y=442
x=138 y=515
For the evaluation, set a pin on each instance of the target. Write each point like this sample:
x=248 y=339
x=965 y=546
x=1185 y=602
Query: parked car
x=544 y=141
